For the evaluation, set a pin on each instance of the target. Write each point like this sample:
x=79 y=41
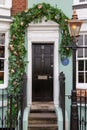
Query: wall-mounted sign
x=65 y=61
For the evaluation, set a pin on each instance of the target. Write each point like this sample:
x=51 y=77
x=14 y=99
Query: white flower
x=26 y=10
x=40 y=6
x=22 y=23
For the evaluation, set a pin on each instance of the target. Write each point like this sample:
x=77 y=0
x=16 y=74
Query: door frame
x=45 y=32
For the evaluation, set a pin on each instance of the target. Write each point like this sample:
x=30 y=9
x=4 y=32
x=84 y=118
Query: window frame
x=5 y=84
x=80 y=85
x=3 y=2
x=77 y=2
x=82 y=1
x=7 y=4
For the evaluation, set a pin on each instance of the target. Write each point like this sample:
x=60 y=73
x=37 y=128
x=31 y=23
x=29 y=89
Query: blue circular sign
x=65 y=61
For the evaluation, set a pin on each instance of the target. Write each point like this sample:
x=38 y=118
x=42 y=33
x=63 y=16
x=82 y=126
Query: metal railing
x=81 y=101
x=82 y=109
x=12 y=108
x=81 y=98
x=62 y=95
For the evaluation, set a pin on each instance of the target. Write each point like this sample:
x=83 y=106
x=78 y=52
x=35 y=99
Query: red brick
x=18 y=6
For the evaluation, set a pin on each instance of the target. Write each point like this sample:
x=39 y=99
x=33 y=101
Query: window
x=82 y=62
x=3 y=60
x=2 y=56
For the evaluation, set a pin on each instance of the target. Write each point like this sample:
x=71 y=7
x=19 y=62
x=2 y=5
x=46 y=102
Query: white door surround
x=45 y=32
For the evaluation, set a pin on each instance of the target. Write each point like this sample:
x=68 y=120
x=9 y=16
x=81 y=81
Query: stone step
x=43 y=127
x=42 y=107
x=55 y=128
x=42 y=111
x=43 y=118
x=50 y=121
x=42 y=115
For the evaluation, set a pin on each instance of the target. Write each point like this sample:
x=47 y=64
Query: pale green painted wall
x=67 y=70
x=66 y=7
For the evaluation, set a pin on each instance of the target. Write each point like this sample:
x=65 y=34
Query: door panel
x=42 y=72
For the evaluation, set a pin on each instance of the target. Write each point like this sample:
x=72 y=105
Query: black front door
x=42 y=72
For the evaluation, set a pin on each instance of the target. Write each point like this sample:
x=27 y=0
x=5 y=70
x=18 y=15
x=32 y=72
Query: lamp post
x=74 y=26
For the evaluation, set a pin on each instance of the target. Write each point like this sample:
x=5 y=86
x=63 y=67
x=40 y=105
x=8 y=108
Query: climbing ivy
x=17 y=49
x=17 y=63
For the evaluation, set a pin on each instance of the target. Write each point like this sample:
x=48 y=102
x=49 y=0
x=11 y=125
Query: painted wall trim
x=45 y=32
x=81 y=6
x=25 y=118
x=5 y=17
x=60 y=119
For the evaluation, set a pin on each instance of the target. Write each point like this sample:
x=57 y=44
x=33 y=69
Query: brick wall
x=18 y=6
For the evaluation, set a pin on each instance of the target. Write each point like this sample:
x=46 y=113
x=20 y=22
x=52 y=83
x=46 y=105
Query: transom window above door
x=82 y=62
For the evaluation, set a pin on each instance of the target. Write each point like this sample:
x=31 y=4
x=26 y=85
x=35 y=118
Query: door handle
x=50 y=77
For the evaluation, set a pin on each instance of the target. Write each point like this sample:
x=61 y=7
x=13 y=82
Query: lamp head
x=74 y=25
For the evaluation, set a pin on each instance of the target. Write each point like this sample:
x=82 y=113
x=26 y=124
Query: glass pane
x=1 y=65
x=1 y=77
x=81 y=77
x=86 y=65
x=2 y=51
x=2 y=38
x=80 y=65
x=80 y=52
x=80 y=40
x=86 y=52
x=85 y=39
x=86 y=77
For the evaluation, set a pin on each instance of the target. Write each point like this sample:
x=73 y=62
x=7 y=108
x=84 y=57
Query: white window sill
x=5 y=20
x=3 y=86
x=5 y=7
x=81 y=86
